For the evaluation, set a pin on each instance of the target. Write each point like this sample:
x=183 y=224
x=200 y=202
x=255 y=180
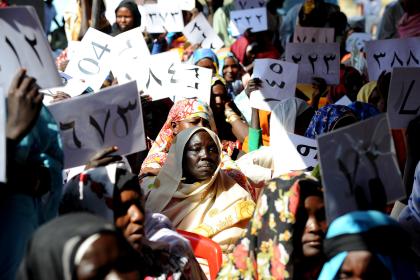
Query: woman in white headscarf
x=195 y=193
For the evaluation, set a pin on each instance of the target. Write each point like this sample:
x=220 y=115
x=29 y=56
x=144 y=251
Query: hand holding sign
x=23 y=44
x=359 y=168
x=91 y=122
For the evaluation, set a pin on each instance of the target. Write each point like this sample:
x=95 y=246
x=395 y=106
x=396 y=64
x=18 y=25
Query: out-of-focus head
x=219 y=95
x=206 y=58
x=127 y=15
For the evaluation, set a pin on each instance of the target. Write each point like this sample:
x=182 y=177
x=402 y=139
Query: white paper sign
x=278 y=82
x=156 y=81
x=403 y=96
x=92 y=62
x=160 y=19
x=315 y=60
x=94 y=121
x=190 y=81
x=357 y=40
x=300 y=152
x=130 y=56
x=387 y=54
x=199 y=31
x=249 y=4
x=359 y=167
x=23 y=44
x=313 y=35
x=241 y=20
x=186 y=5
x=345 y=101
x=2 y=136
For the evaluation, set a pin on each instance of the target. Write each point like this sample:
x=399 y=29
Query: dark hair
x=132 y=6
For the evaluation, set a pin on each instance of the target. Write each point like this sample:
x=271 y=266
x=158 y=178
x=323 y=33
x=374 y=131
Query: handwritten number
x=398 y=59
x=154 y=77
x=95 y=124
x=121 y=111
x=412 y=57
x=33 y=43
x=87 y=72
x=403 y=110
x=9 y=43
x=304 y=150
x=71 y=125
x=312 y=59
x=172 y=71
x=327 y=59
x=296 y=59
x=103 y=48
x=377 y=57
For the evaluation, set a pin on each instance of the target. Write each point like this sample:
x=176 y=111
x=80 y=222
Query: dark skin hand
x=413 y=153
x=24 y=103
x=320 y=87
x=60 y=96
x=103 y=158
x=253 y=85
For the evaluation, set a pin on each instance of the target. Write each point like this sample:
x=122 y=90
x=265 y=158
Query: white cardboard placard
x=94 y=121
x=403 y=96
x=156 y=81
x=315 y=60
x=130 y=56
x=300 y=152
x=23 y=44
x=278 y=82
x=387 y=54
x=313 y=35
x=190 y=81
x=352 y=156
x=241 y=20
x=358 y=40
x=249 y=4
x=345 y=101
x=185 y=5
x=161 y=18
x=199 y=31
x=92 y=61
x=2 y=136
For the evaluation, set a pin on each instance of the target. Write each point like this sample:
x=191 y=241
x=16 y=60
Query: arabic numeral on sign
x=91 y=66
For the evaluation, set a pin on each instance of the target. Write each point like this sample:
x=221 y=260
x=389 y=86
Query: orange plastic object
x=205 y=248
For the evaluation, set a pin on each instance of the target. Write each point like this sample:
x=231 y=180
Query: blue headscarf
x=201 y=53
x=370 y=231
x=363 y=110
x=325 y=119
x=221 y=58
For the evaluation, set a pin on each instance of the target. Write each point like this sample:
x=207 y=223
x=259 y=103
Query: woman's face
x=179 y=126
x=129 y=216
x=206 y=63
x=201 y=157
x=230 y=70
x=218 y=98
x=363 y=265
x=125 y=19
x=315 y=227
x=106 y=259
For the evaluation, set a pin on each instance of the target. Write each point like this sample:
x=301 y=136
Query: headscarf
x=366 y=91
x=363 y=110
x=409 y=26
x=325 y=119
x=221 y=56
x=370 y=231
x=132 y=6
x=181 y=110
x=267 y=248
x=208 y=208
x=410 y=216
x=239 y=48
x=52 y=250
x=283 y=117
x=202 y=53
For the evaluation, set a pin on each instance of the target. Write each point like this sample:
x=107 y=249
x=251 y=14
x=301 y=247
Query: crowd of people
x=209 y=168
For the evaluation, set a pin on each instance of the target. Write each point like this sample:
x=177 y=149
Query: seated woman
x=367 y=245
x=84 y=247
x=184 y=114
x=285 y=236
x=114 y=193
x=194 y=192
